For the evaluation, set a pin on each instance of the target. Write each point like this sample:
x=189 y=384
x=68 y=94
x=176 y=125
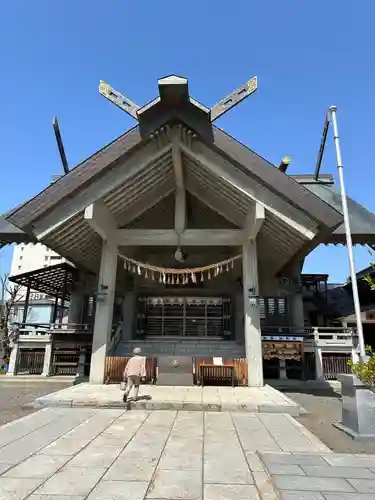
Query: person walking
x=134 y=371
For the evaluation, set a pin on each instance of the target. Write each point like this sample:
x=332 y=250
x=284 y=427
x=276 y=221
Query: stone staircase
x=182 y=347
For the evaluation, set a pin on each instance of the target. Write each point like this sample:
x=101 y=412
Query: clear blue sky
x=307 y=56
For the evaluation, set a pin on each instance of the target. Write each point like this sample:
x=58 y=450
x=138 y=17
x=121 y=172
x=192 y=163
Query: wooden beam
x=169 y=237
x=270 y=201
x=180 y=197
x=254 y=221
x=177 y=160
x=180 y=211
x=101 y=220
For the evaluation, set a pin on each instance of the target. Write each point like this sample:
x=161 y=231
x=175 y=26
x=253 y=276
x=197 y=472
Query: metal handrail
x=116 y=337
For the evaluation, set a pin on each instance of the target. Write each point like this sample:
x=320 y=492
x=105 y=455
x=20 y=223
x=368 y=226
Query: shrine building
x=180 y=239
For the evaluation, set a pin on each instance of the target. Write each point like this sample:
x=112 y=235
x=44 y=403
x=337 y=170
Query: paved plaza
x=60 y=453
x=153 y=397
x=322 y=477
x=113 y=454
x=258 y=453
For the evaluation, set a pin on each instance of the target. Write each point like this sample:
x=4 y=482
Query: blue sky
x=307 y=56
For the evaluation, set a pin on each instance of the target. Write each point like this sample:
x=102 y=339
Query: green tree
x=365 y=370
x=14 y=296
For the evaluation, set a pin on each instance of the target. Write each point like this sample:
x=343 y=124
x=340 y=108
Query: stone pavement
x=112 y=454
x=98 y=454
x=322 y=477
x=153 y=397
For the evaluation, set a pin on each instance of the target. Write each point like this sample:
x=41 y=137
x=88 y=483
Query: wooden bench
x=217 y=373
x=205 y=371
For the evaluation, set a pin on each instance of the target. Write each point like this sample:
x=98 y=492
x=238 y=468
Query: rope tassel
x=177 y=275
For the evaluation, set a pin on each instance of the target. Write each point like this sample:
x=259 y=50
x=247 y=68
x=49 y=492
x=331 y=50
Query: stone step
x=175 y=379
x=184 y=347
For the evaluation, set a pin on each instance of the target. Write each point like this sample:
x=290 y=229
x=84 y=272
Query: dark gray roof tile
x=362 y=221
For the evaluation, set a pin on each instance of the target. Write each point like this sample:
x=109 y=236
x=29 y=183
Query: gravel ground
x=14 y=395
x=324 y=407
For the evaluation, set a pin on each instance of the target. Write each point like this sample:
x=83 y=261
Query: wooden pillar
x=253 y=340
x=296 y=302
x=76 y=307
x=26 y=304
x=61 y=310
x=55 y=308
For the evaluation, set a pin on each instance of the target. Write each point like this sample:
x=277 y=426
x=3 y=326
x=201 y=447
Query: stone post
x=12 y=369
x=104 y=311
x=47 y=360
x=354 y=349
x=319 y=371
x=81 y=362
x=253 y=340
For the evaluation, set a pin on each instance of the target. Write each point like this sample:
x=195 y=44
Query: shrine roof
x=9 y=233
x=362 y=221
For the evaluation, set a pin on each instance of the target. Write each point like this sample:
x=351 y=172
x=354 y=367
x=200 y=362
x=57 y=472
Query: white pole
x=349 y=243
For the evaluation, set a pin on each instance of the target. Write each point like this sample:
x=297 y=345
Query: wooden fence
x=115 y=366
x=30 y=362
x=334 y=364
x=65 y=362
